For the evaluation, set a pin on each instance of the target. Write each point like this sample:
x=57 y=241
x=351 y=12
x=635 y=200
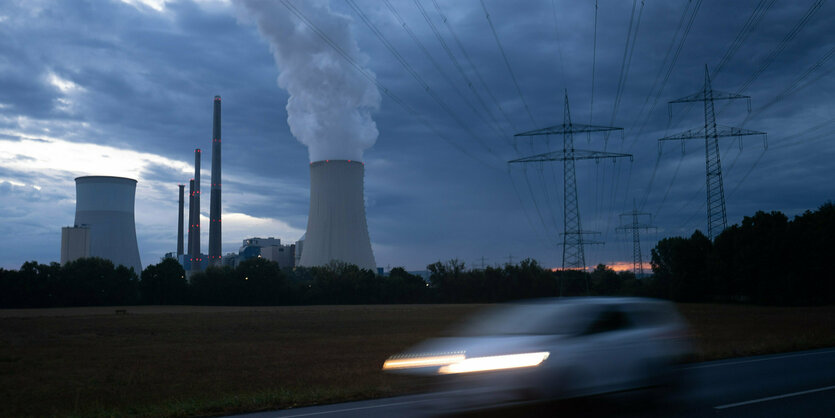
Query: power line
x=750 y=24
x=670 y=68
x=782 y=45
x=795 y=86
x=409 y=109
x=415 y=75
x=557 y=37
x=443 y=73
x=625 y=64
x=548 y=238
x=753 y=20
x=466 y=57
x=507 y=62
x=593 y=64
x=458 y=66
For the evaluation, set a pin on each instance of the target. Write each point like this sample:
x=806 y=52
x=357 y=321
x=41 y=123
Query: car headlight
x=413 y=362
x=490 y=363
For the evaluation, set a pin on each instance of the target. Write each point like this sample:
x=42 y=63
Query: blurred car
x=553 y=349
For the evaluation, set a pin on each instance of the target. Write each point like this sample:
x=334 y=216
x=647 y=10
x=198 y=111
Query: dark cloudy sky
x=125 y=88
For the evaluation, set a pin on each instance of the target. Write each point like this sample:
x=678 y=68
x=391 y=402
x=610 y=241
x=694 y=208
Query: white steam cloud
x=330 y=103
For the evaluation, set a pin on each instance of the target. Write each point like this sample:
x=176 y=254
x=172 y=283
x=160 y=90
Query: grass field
x=189 y=361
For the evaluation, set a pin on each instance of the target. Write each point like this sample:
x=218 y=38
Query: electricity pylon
x=636 y=226
x=717 y=219
x=573 y=254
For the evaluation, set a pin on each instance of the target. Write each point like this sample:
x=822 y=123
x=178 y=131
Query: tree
x=605 y=281
x=164 y=283
x=811 y=236
x=681 y=268
x=94 y=282
x=258 y=281
x=402 y=287
x=213 y=286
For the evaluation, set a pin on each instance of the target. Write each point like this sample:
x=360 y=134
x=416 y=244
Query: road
x=799 y=384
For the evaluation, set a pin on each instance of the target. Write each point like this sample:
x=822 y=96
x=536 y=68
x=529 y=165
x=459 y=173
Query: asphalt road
x=799 y=384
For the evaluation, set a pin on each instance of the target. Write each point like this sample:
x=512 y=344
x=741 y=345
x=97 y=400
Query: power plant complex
x=336 y=227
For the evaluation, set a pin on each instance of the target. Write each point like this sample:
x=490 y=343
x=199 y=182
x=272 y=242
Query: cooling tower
x=105 y=205
x=336 y=225
x=214 y=198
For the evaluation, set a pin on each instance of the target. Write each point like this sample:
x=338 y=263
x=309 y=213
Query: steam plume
x=330 y=103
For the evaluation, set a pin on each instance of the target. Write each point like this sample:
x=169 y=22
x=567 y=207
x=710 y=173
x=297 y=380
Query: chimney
x=180 y=222
x=195 y=249
x=214 y=202
x=190 y=222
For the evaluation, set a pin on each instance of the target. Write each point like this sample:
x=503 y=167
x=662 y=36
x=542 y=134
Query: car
x=553 y=349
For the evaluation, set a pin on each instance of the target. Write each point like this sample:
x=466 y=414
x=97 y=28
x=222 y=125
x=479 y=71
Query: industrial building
x=267 y=248
x=104 y=222
x=75 y=243
x=336 y=224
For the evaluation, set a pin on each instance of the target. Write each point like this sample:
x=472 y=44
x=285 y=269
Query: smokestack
x=195 y=244
x=105 y=205
x=180 y=222
x=336 y=225
x=190 y=222
x=214 y=202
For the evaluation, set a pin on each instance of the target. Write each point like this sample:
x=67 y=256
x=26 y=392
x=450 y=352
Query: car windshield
x=528 y=319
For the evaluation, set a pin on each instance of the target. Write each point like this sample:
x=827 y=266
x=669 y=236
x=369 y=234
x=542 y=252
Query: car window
x=609 y=320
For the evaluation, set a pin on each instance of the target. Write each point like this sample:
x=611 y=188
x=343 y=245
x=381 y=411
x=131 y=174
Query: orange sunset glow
x=616 y=266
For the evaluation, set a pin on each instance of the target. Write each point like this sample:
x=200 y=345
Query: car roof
x=593 y=300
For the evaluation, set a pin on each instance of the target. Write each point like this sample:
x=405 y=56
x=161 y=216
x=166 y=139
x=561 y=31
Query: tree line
x=259 y=282
x=767 y=259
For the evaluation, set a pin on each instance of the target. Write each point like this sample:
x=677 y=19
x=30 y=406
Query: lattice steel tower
x=717 y=219
x=573 y=254
x=636 y=226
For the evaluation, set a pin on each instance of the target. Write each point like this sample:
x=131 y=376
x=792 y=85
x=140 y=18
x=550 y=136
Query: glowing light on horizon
x=617 y=266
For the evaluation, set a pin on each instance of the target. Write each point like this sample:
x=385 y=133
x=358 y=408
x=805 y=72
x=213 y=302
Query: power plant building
x=75 y=243
x=336 y=224
x=267 y=248
x=104 y=222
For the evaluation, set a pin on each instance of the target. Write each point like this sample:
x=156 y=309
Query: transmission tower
x=636 y=226
x=716 y=217
x=573 y=255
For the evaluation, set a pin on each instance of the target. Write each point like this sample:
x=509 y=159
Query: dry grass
x=723 y=331
x=185 y=361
